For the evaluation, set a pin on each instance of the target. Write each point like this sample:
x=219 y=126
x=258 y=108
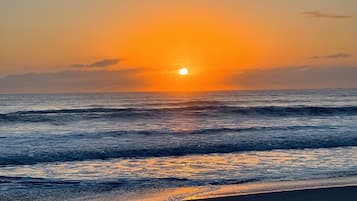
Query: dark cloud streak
x=317 y=14
x=98 y=64
x=338 y=56
x=331 y=56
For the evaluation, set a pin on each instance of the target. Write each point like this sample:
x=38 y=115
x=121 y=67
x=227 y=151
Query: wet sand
x=348 y=193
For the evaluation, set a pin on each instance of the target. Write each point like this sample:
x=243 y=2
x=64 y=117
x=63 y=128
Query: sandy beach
x=341 y=189
x=348 y=193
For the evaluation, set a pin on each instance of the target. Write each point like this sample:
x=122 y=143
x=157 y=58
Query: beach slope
x=348 y=193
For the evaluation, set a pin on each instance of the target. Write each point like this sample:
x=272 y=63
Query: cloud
x=338 y=56
x=317 y=14
x=332 y=56
x=295 y=78
x=98 y=64
x=73 y=81
x=314 y=57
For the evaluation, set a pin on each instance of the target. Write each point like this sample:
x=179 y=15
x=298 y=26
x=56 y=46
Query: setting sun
x=180 y=99
x=183 y=71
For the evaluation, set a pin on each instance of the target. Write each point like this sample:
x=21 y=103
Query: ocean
x=65 y=145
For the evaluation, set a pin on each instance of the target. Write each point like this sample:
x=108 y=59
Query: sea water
x=127 y=142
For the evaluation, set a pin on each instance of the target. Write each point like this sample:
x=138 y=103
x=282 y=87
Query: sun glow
x=183 y=71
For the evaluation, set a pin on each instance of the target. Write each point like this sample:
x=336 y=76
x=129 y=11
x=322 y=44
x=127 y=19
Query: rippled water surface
x=136 y=140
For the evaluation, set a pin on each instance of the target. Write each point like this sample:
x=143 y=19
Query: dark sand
x=321 y=194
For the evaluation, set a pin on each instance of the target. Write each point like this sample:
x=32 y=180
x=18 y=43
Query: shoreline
x=278 y=190
x=346 y=193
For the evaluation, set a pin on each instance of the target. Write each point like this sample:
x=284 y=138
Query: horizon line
x=178 y=91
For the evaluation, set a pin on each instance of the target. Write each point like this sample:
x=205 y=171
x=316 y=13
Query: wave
x=58 y=116
x=142 y=152
x=61 y=188
x=118 y=182
x=189 y=103
x=65 y=115
x=203 y=131
x=189 y=132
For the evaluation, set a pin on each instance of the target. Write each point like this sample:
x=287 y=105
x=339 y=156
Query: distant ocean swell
x=103 y=153
x=205 y=131
x=112 y=113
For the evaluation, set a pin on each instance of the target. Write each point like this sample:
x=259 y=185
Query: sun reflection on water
x=210 y=167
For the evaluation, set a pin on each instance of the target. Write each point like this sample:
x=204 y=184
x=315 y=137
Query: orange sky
x=217 y=41
x=205 y=41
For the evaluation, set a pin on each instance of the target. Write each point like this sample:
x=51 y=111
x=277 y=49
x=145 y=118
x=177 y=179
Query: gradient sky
x=126 y=45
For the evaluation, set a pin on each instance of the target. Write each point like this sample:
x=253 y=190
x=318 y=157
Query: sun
x=183 y=71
